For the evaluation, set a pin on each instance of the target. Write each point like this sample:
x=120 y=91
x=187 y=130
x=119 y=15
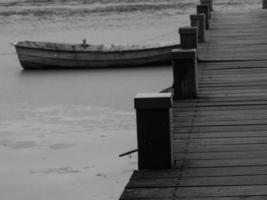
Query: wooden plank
x=182 y=147
x=199 y=181
x=220 y=123
x=226 y=114
x=201 y=135
x=207 y=198
x=218 y=100
x=221 y=141
x=259 y=127
x=196 y=192
x=222 y=155
x=241 y=107
x=182 y=104
x=200 y=172
x=218 y=118
x=221 y=163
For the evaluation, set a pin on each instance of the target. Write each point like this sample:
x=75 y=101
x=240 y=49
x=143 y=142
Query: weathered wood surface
x=236 y=36
x=220 y=138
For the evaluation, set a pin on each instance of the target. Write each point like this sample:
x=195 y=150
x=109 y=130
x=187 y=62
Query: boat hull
x=34 y=58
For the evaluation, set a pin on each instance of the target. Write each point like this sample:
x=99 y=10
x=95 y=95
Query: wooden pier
x=219 y=139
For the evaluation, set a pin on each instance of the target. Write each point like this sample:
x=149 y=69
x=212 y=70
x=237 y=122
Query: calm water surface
x=61 y=131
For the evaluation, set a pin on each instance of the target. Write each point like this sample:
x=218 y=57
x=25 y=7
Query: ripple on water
x=24 y=145
x=62 y=170
x=61 y=146
x=18 y=145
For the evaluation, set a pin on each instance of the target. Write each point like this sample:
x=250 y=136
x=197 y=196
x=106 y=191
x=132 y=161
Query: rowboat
x=47 y=55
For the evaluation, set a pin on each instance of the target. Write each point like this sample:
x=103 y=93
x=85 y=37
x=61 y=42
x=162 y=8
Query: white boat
x=45 y=55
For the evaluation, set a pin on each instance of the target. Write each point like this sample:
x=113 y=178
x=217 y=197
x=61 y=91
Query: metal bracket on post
x=154 y=137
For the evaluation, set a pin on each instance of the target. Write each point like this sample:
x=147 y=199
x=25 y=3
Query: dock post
x=185 y=81
x=264 y=4
x=207 y=2
x=199 y=22
x=204 y=9
x=188 y=37
x=153 y=130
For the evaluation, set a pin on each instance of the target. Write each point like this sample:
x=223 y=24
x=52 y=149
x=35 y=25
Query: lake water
x=61 y=131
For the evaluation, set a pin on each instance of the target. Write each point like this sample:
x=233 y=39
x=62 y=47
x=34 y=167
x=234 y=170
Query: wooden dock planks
x=220 y=138
x=236 y=36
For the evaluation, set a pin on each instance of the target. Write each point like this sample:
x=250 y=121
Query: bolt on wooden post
x=199 y=22
x=188 y=37
x=207 y=2
x=154 y=137
x=264 y=4
x=204 y=9
x=185 y=80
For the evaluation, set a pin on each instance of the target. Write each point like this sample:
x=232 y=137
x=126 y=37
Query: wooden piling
x=188 y=37
x=264 y=4
x=184 y=73
x=153 y=130
x=207 y=2
x=204 y=9
x=199 y=22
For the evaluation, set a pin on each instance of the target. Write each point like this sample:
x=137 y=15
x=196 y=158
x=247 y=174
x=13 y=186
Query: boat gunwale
x=101 y=51
x=95 y=60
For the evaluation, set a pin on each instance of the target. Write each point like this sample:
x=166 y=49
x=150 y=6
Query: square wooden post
x=207 y=2
x=199 y=22
x=188 y=37
x=153 y=130
x=204 y=9
x=185 y=80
